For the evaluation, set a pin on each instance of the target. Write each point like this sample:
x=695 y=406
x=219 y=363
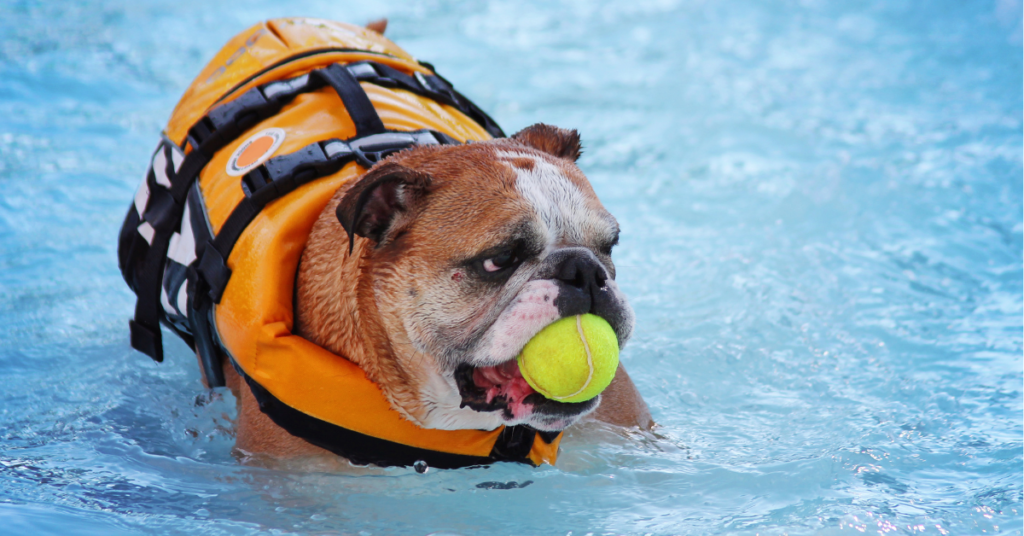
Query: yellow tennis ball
x=571 y=360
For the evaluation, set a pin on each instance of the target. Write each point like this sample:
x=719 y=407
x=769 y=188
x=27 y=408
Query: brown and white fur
x=458 y=256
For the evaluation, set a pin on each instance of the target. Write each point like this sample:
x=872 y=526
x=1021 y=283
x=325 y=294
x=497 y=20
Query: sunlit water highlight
x=821 y=207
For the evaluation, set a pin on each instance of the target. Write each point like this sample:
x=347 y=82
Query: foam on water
x=821 y=208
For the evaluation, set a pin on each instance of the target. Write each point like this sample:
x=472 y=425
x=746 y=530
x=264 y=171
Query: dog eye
x=500 y=261
x=607 y=247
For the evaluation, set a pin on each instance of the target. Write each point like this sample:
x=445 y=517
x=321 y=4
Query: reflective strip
x=182 y=247
x=177 y=157
x=142 y=196
x=175 y=250
x=160 y=168
x=189 y=236
x=183 y=298
x=147 y=232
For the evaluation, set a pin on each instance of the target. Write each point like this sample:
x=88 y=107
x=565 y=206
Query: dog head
x=470 y=251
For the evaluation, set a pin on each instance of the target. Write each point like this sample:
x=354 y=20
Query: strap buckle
x=229 y=120
x=278 y=176
x=439 y=87
x=371 y=149
x=431 y=85
x=281 y=175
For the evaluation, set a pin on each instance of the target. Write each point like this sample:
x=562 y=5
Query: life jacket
x=285 y=114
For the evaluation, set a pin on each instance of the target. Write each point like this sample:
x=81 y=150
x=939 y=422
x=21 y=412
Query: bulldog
x=433 y=270
x=430 y=271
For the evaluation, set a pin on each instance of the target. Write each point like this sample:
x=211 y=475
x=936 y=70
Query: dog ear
x=378 y=25
x=560 y=142
x=373 y=204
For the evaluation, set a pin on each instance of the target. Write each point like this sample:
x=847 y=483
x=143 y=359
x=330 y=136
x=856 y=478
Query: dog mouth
x=503 y=388
x=498 y=387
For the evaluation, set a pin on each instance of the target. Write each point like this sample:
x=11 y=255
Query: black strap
x=281 y=175
x=358 y=105
x=200 y=314
x=432 y=86
x=160 y=215
x=513 y=444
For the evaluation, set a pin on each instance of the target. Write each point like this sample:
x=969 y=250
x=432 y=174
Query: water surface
x=821 y=207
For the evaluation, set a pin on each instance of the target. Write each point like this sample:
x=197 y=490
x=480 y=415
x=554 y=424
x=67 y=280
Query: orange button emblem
x=254 y=151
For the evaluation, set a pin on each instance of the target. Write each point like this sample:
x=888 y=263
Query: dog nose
x=583 y=282
x=584 y=287
x=583 y=273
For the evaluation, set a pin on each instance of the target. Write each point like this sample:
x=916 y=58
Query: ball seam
x=590 y=361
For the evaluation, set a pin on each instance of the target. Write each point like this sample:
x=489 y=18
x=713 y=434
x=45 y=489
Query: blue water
x=821 y=207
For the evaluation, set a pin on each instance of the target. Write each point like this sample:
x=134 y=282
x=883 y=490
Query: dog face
x=477 y=248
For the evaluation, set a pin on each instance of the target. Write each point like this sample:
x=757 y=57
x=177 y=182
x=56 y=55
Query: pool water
x=821 y=207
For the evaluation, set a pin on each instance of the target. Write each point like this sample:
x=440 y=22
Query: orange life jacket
x=285 y=114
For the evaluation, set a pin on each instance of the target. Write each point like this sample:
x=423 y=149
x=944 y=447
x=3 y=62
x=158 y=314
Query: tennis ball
x=571 y=360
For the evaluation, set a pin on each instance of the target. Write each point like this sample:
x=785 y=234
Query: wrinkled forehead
x=566 y=207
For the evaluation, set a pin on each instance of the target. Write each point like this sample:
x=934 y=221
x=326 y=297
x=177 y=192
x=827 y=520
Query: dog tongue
x=506 y=381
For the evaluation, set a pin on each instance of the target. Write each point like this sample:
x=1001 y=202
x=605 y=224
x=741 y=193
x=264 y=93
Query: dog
x=429 y=272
